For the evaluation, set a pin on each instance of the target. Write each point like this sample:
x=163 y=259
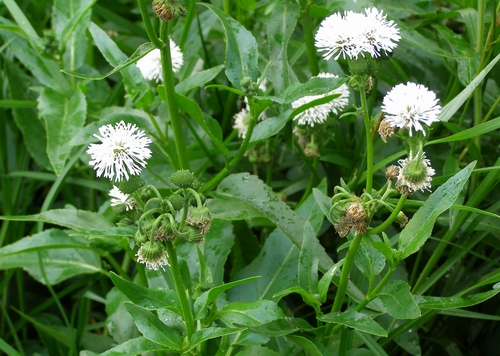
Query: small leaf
x=311 y=346
x=443 y=303
x=307 y=297
x=250 y=314
x=326 y=280
x=198 y=79
x=419 y=228
x=308 y=261
x=209 y=333
x=282 y=327
x=478 y=130
x=133 y=347
x=398 y=301
x=153 y=329
x=356 y=321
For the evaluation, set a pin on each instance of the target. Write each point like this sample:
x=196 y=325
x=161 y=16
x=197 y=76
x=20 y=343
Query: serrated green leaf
x=369 y=261
x=147 y=298
x=153 y=329
x=356 y=321
x=64 y=117
x=442 y=303
x=397 y=300
x=250 y=314
x=241 y=49
x=419 y=228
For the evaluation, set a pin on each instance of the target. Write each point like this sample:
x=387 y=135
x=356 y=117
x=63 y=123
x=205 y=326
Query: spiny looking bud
x=176 y=201
x=131 y=185
x=385 y=130
x=167 y=10
x=183 y=178
x=152 y=255
x=355 y=213
x=200 y=218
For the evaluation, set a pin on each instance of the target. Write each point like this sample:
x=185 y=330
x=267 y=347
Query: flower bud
x=176 y=201
x=200 y=218
x=402 y=219
x=165 y=231
x=131 y=185
x=355 y=213
x=182 y=178
x=342 y=227
x=167 y=10
x=386 y=130
x=392 y=172
x=140 y=238
x=194 y=234
x=152 y=255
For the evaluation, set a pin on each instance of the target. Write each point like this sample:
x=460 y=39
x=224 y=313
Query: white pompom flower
x=410 y=106
x=355 y=34
x=319 y=113
x=123 y=151
x=151 y=67
x=118 y=198
x=415 y=173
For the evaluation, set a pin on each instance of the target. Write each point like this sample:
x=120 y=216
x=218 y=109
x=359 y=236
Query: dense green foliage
x=284 y=267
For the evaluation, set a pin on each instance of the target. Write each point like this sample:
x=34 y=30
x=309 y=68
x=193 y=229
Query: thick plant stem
x=307 y=28
x=369 y=138
x=168 y=82
x=344 y=279
x=148 y=25
x=187 y=313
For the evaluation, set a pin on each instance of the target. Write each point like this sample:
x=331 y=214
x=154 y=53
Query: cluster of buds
x=182 y=215
x=354 y=218
x=249 y=87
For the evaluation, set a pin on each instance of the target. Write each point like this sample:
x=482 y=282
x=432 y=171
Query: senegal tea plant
x=233 y=178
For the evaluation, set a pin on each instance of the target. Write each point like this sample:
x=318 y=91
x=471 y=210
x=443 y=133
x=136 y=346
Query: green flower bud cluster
x=167 y=10
x=249 y=87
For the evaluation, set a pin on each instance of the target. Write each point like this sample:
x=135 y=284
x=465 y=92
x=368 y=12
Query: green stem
x=369 y=137
x=181 y=290
x=344 y=279
x=148 y=25
x=168 y=82
x=391 y=217
x=307 y=28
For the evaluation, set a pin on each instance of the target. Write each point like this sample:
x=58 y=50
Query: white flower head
x=152 y=255
x=118 y=198
x=354 y=34
x=122 y=152
x=241 y=122
x=319 y=113
x=408 y=106
x=150 y=65
x=415 y=173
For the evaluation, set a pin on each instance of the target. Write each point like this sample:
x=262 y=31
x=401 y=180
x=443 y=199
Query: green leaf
x=419 y=228
x=119 y=322
x=198 y=79
x=250 y=190
x=70 y=19
x=224 y=209
x=326 y=280
x=213 y=131
x=417 y=40
x=371 y=343
x=140 y=52
x=442 y=303
x=452 y=107
x=314 y=86
x=133 y=347
x=270 y=126
x=153 y=329
x=369 y=261
x=133 y=80
x=281 y=23
x=250 y=314
x=308 y=261
x=209 y=333
x=309 y=345
x=258 y=351
x=64 y=117
x=398 y=301
x=34 y=134
x=307 y=297
x=241 y=49
x=46 y=71
x=208 y=297
x=23 y=23
x=62 y=256
x=70 y=218
x=9 y=350
x=282 y=327
x=356 y=321
x=475 y=131
x=147 y=298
